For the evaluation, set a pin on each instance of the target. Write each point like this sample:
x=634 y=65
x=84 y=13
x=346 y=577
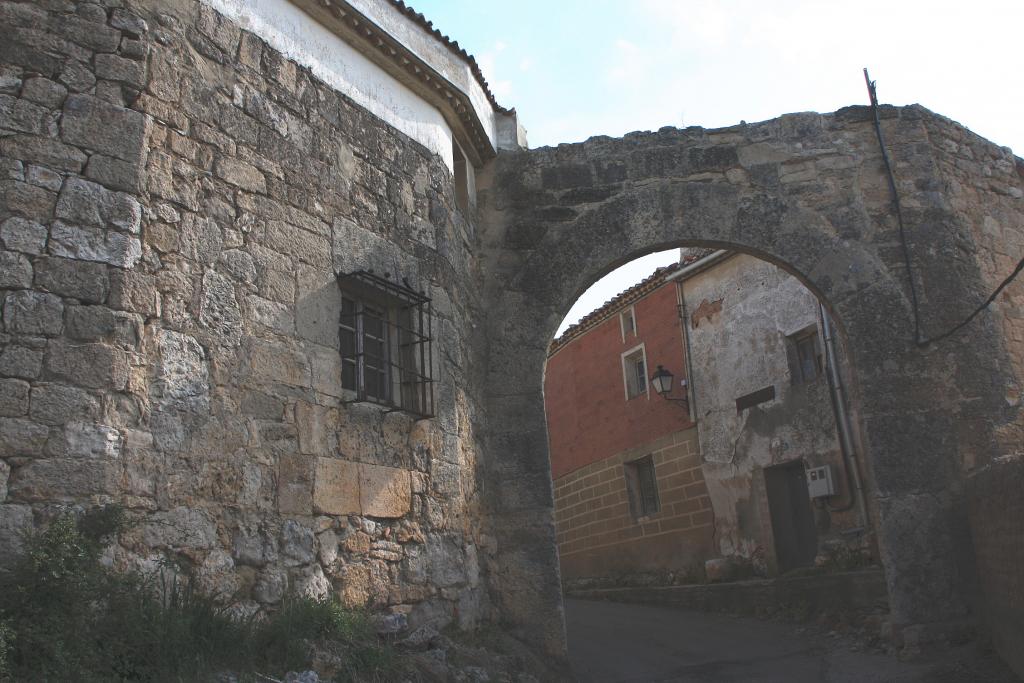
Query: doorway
x=796 y=537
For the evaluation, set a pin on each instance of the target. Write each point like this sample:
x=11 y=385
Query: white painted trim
x=300 y=37
x=622 y=323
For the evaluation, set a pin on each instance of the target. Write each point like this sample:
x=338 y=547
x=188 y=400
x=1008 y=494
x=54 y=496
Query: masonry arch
x=806 y=192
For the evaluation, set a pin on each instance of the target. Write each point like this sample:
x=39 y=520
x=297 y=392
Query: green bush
x=64 y=616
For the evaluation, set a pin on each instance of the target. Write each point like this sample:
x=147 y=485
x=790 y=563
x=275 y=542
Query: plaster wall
x=426 y=46
x=300 y=37
x=738 y=350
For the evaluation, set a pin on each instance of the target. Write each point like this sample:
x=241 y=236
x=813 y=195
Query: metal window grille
x=387 y=350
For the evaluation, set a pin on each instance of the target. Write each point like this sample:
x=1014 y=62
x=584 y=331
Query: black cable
x=918 y=339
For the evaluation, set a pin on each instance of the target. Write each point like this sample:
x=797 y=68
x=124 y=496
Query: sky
x=577 y=68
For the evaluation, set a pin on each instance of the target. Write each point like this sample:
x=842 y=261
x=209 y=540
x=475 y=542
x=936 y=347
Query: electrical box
x=819 y=482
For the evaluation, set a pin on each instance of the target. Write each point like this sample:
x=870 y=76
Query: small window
x=463 y=178
x=628 y=321
x=386 y=346
x=804 y=358
x=634 y=371
x=642 y=485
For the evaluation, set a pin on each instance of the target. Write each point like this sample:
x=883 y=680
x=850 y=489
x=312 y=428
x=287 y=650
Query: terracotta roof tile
x=625 y=298
x=454 y=47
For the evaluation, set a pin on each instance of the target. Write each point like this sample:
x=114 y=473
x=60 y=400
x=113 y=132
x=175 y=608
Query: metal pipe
x=846 y=446
x=700 y=264
x=690 y=392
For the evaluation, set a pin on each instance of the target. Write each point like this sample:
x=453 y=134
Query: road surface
x=619 y=643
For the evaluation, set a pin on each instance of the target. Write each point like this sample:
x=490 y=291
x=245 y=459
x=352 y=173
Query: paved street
x=617 y=643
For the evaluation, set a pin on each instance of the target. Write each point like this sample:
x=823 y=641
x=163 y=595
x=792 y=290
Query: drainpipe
x=691 y=398
x=835 y=385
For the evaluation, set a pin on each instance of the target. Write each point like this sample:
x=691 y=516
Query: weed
x=64 y=616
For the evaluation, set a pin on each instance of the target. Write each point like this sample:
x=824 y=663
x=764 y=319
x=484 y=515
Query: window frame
x=398 y=321
x=629 y=311
x=641 y=474
x=626 y=370
x=796 y=344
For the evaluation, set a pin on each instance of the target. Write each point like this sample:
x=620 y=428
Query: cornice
x=379 y=46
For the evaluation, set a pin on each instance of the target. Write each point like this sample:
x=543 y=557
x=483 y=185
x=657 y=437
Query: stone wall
x=177 y=200
x=997 y=523
x=809 y=193
x=600 y=539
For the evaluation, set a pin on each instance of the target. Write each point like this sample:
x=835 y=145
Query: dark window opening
x=385 y=335
x=460 y=177
x=804 y=357
x=634 y=368
x=628 y=323
x=642 y=485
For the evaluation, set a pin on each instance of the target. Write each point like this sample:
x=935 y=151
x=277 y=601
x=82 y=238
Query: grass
x=64 y=616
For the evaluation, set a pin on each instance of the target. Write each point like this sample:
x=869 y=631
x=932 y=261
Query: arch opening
x=749 y=464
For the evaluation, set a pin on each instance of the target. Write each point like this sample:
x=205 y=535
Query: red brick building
x=629 y=492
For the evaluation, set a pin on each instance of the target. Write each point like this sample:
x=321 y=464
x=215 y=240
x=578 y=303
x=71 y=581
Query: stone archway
x=809 y=193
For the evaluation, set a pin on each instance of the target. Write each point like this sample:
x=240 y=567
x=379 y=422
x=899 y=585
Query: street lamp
x=662 y=383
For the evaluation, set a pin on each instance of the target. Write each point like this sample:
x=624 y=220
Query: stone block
x=276 y=363
x=384 y=491
x=239 y=265
x=114 y=68
x=314 y=424
x=5 y=475
x=83 y=280
x=32 y=312
x=183 y=377
x=90 y=323
x=44 y=91
x=200 y=239
x=56 y=404
x=20 y=361
x=15 y=270
x=270 y=314
x=87 y=203
x=45 y=151
x=95 y=366
x=297 y=543
x=116 y=174
x=22 y=438
x=21 y=234
x=78 y=77
x=295 y=478
x=131 y=290
x=241 y=174
x=219 y=311
x=44 y=177
x=88 y=440
x=23 y=116
x=181 y=527
x=14 y=395
x=261 y=406
x=58 y=479
x=92 y=244
x=336 y=487
x=29 y=200
x=93 y=124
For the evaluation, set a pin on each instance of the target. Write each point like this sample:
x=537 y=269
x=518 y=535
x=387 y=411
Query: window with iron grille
x=642 y=485
x=385 y=332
